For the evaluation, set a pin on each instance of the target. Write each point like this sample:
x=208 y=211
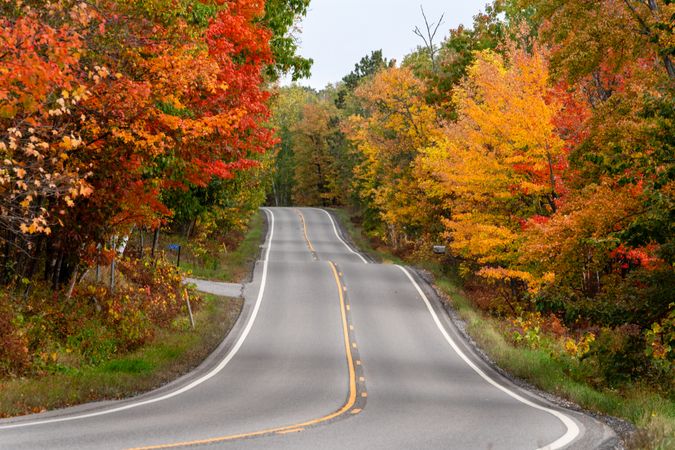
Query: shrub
x=95 y=343
x=47 y=332
x=578 y=348
x=660 y=348
x=527 y=330
x=14 y=355
x=158 y=287
x=616 y=356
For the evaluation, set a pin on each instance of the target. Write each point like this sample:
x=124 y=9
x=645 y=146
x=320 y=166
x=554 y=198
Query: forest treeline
x=118 y=118
x=538 y=146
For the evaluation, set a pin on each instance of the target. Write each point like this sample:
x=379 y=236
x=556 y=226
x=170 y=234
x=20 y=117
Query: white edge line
x=194 y=383
x=572 y=428
x=338 y=236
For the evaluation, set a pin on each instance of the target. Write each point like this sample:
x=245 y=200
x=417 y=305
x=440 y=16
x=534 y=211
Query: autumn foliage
x=538 y=147
x=117 y=118
x=106 y=106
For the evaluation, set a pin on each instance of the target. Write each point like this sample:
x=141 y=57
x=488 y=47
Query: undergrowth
x=174 y=351
x=103 y=342
x=223 y=260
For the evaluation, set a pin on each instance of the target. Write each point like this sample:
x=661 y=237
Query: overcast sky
x=337 y=33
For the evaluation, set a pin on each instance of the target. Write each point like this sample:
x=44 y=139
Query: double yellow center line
x=356 y=398
x=309 y=243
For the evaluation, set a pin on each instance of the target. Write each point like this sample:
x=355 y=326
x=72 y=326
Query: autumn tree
x=109 y=107
x=396 y=123
x=625 y=81
x=287 y=107
x=455 y=54
x=281 y=16
x=316 y=153
x=368 y=66
x=620 y=31
x=500 y=164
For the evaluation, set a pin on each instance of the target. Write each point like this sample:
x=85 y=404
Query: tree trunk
x=112 y=267
x=57 y=272
x=274 y=190
x=71 y=286
x=155 y=242
x=5 y=260
x=554 y=208
x=50 y=261
x=122 y=246
x=32 y=265
x=98 y=263
x=191 y=227
x=669 y=66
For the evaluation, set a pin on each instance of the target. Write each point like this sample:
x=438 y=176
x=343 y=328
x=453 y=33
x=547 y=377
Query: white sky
x=337 y=33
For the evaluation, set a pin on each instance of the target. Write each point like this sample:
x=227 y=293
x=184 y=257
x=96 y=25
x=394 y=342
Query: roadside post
x=175 y=248
x=187 y=300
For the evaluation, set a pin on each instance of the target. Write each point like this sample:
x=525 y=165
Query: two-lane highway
x=330 y=352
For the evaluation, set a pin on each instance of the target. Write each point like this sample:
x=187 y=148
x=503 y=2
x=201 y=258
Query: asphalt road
x=330 y=352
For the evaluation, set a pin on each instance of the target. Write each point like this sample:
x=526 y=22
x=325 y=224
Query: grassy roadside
x=653 y=414
x=220 y=265
x=172 y=353
x=175 y=349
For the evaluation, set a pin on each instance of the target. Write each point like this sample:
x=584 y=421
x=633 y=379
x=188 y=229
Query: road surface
x=217 y=288
x=330 y=352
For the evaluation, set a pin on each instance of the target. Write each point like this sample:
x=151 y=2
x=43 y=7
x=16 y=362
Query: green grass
x=653 y=414
x=232 y=266
x=172 y=353
x=130 y=365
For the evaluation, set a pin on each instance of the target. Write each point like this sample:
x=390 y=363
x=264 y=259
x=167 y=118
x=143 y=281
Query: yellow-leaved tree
x=396 y=123
x=498 y=166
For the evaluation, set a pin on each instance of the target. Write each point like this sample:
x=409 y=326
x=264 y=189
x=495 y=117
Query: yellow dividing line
x=304 y=227
x=351 y=400
x=294 y=430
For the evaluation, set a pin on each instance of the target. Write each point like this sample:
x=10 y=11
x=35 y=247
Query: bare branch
x=429 y=35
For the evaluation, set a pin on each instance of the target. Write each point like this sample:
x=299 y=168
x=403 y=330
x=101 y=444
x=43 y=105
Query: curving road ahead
x=330 y=352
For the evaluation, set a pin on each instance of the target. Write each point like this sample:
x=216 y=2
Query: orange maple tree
x=106 y=106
